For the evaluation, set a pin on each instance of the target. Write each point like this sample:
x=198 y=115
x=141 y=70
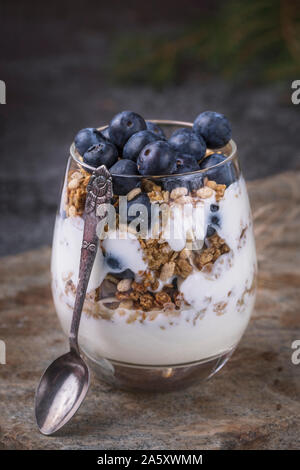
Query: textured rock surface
x=253 y=403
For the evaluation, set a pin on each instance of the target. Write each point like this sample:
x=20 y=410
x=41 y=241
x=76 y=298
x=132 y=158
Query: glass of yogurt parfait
x=173 y=283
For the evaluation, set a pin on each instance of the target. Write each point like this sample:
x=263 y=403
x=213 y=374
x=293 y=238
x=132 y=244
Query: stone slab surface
x=253 y=403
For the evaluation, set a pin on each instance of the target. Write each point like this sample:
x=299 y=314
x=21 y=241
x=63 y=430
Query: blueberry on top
x=155 y=129
x=212 y=159
x=185 y=140
x=196 y=181
x=105 y=133
x=173 y=182
x=223 y=174
x=214 y=128
x=124 y=125
x=122 y=185
x=157 y=158
x=85 y=138
x=136 y=143
x=124 y=167
x=186 y=163
x=104 y=153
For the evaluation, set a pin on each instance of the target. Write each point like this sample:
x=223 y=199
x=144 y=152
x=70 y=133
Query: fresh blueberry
x=140 y=199
x=215 y=220
x=214 y=208
x=210 y=231
x=185 y=140
x=214 y=128
x=136 y=143
x=155 y=129
x=113 y=263
x=127 y=274
x=105 y=133
x=157 y=158
x=104 y=153
x=223 y=174
x=85 y=138
x=124 y=125
x=196 y=181
x=212 y=159
x=186 y=163
x=122 y=184
x=191 y=182
x=173 y=182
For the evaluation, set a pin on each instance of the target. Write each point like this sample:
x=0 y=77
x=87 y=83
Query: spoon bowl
x=60 y=392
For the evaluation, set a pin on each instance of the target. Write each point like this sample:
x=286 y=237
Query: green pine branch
x=258 y=39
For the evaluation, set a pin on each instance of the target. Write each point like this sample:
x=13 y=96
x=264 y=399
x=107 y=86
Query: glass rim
x=164 y=122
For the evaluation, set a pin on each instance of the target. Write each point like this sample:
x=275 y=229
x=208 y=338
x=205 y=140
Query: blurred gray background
x=69 y=65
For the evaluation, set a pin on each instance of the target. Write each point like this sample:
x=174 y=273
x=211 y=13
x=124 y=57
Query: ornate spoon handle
x=99 y=191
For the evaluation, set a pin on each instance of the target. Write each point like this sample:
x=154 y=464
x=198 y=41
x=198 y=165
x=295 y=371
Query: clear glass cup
x=171 y=293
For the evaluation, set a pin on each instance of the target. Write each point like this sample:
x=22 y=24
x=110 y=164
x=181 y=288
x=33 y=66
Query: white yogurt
x=127 y=250
x=66 y=254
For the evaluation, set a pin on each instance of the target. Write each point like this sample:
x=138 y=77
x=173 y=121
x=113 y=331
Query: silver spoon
x=65 y=383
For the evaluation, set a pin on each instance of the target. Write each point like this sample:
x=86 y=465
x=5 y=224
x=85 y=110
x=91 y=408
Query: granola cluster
x=144 y=295
x=76 y=192
x=218 y=188
x=181 y=195
x=165 y=262
x=156 y=253
x=208 y=256
x=161 y=259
